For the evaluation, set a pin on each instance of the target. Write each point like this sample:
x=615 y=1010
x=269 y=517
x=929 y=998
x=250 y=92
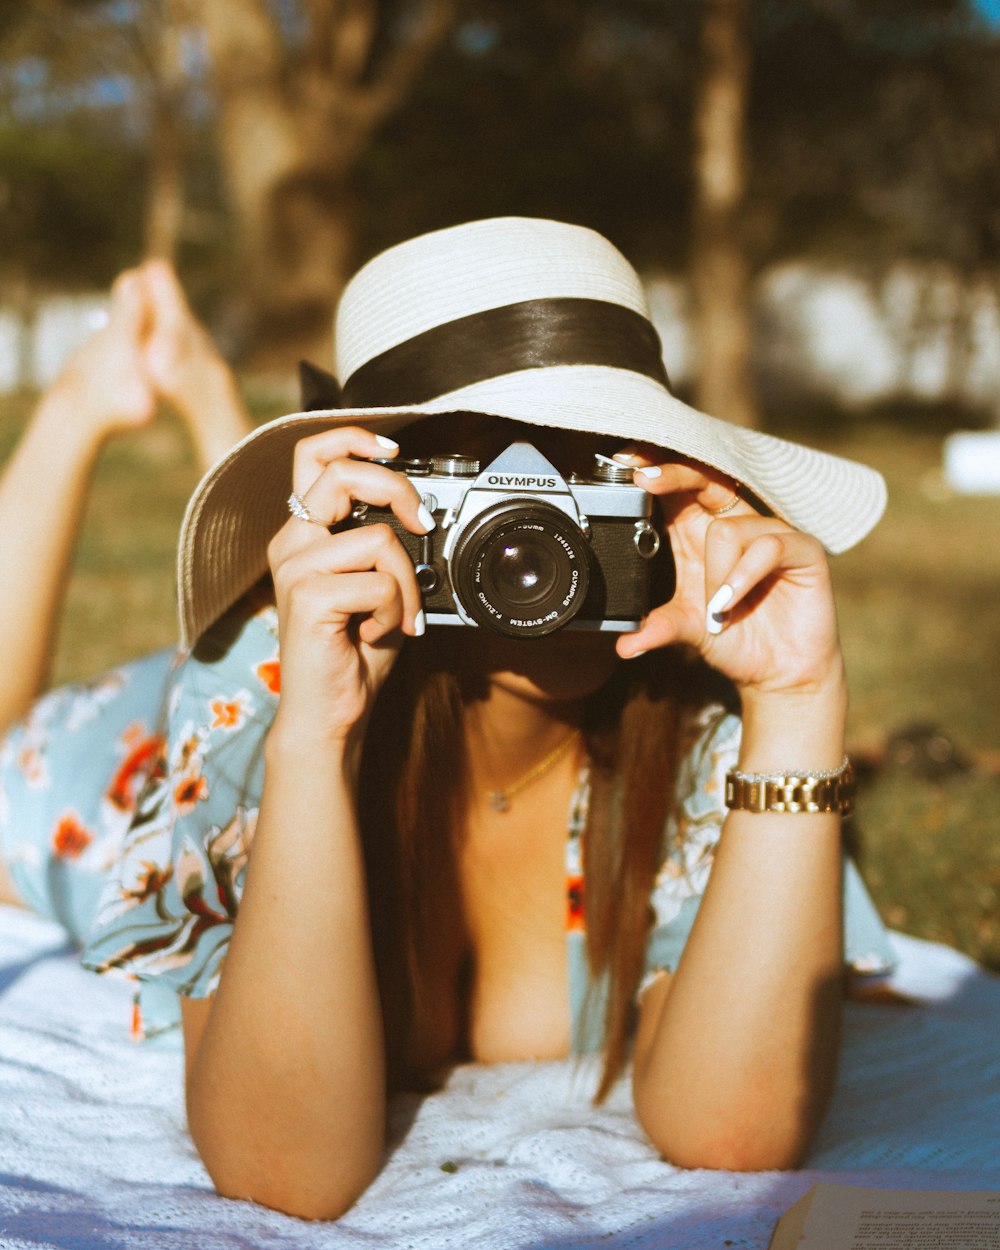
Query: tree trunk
x=165 y=199
x=291 y=139
x=720 y=276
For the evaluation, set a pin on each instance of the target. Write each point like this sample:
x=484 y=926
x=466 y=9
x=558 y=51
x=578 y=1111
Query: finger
x=381 y=623
x=378 y=603
x=741 y=555
x=657 y=474
x=371 y=597
x=368 y=548
x=314 y=452
x=669 y=623
x=341 y=482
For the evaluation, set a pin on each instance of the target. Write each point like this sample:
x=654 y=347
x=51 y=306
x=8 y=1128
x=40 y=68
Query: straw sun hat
x=529 y=319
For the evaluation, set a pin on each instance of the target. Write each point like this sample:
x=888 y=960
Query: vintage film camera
x=523 y=551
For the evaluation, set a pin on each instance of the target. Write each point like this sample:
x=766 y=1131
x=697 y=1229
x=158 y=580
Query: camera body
x=524 y=551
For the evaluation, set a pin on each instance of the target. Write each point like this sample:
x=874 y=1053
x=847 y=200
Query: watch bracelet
x=830 y=790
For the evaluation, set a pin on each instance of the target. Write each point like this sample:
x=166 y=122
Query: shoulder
x=244 y=641
x=233 y=674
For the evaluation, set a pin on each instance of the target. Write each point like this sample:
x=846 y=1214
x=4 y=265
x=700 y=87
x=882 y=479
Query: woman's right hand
x=344 y=600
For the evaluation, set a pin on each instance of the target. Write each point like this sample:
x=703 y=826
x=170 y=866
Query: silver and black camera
x=524 y=551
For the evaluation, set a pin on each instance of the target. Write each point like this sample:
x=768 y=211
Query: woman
x=415 y=890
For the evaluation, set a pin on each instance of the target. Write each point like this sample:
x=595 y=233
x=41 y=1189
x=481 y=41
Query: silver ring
x=727 y=507
x=298 y=508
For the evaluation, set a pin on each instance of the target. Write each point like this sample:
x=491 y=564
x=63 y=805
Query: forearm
x=42 y=496
x=736 y=1068
x=286 y=1078
x=286 y=1093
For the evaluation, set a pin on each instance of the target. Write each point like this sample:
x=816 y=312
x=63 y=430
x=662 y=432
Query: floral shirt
x=167 y=910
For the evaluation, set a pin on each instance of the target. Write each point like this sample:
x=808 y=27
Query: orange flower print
x=70 y=838
x=189 y=791
x=269 y=672
x=227 y=713
x=574 y=904
x=126 y=783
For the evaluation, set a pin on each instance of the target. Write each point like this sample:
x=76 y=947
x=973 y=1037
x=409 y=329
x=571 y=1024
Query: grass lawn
x=920 y=616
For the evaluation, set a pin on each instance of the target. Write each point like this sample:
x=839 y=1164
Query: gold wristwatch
x=831 y=791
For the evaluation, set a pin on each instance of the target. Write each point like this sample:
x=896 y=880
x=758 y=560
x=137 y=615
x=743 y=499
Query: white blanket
x=94 y=1153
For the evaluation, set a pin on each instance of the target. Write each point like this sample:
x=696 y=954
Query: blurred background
x=810 y=188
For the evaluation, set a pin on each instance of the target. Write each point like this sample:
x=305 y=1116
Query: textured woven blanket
x=94 y=1153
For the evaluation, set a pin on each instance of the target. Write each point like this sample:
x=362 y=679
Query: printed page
x=839 y=1217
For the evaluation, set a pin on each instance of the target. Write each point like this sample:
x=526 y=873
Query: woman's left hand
x=753 y=594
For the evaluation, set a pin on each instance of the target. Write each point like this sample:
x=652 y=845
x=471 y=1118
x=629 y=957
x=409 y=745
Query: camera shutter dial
x=455 y=466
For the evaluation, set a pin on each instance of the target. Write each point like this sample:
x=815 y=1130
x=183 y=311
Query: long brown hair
x=635 y=730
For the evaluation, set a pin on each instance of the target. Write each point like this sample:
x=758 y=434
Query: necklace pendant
x=498 y=801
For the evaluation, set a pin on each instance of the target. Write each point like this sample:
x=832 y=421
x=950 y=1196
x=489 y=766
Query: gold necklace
x=500 y=797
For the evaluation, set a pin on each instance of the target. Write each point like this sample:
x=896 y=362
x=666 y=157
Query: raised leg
x=152 y=349
x=187 y=369
x=103 y=389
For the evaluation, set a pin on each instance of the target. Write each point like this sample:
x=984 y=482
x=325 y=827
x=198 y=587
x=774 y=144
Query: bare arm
x=286 y=1099
x=736 y=1052
x=285 y=1087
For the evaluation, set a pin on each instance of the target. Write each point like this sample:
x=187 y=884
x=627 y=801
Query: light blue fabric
x=70 y=774
x=167 y=912
x=170 y=867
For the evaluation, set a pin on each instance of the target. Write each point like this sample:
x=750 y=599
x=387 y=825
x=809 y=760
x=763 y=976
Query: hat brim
x=241 y=502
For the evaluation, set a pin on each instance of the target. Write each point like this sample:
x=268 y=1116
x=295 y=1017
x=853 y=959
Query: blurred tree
x=51 y=160
x=872 y=132
x=111 y=75
x=719 y=269
x=302 y=90
x=875 y=132
x=578 y=109
x=164 y=22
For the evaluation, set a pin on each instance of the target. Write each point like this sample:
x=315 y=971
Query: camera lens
x=521 y=568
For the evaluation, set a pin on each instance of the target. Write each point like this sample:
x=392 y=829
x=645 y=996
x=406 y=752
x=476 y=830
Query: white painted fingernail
x=386 y=442
x=419 y=624
x=425 y=518
x=650 y=470
x=625 y=457
x=718 y=603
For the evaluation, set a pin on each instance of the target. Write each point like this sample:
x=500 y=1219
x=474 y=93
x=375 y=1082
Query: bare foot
x=105 y=387
x=187 y=368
